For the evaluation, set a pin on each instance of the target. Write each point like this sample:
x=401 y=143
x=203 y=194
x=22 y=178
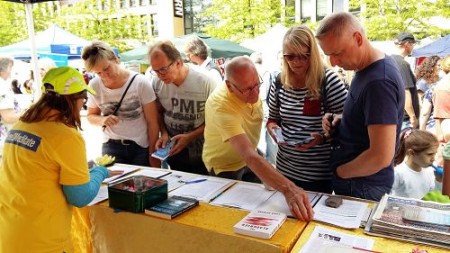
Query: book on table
x=259 y=223
x=411 y=220
x=172 y=207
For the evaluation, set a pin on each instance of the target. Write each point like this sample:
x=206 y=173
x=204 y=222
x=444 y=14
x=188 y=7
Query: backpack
x=212 y=65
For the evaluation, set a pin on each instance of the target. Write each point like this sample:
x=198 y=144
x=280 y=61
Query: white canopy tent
x=269 y=45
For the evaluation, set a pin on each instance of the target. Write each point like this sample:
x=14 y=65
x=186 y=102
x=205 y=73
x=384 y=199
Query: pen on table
x=196 y=181
x=366 y=250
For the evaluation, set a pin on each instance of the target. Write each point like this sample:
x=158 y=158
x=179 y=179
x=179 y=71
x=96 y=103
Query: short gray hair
x=337 y=24
x=198 y=47
x=5 y=63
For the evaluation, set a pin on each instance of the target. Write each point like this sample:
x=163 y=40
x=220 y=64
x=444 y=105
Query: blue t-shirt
x=376 y=96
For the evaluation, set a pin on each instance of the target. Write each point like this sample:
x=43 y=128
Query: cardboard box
x=136 y=193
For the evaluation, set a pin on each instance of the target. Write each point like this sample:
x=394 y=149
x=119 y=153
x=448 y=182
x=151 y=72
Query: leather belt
x=122 y=142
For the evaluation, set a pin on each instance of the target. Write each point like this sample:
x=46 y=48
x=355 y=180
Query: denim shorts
x=126 y=151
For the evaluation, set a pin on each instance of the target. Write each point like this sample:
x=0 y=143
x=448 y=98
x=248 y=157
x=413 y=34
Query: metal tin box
x=136 y=193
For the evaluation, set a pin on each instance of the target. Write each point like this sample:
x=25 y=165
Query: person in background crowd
x=428 y=75
x=405 y=45
x=366 y=134
x=414 y=176
x=8 y=113
x=45 y=64
x=233 y=126
x=302 y=78
x=441 y=98
x=27 y=87
x=44 y=170
x=266 y=146
x=197 y=52
x=130 y=129
x=15 y=87
x=182 y=92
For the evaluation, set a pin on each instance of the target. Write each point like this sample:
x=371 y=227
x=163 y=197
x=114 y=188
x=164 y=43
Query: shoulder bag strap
x=123 y=95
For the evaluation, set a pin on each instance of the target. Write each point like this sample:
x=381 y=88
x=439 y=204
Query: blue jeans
x=359 y=189
x=126 y=151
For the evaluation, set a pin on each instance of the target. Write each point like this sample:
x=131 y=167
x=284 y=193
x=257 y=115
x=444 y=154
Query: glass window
x=321 y=9
x=305 y=9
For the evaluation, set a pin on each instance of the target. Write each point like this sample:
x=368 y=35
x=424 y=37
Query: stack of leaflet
x=412 y=220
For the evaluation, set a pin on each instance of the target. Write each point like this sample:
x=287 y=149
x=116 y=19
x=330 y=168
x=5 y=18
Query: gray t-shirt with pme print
x=184 y=105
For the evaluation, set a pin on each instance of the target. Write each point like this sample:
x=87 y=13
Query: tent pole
x=34 y=59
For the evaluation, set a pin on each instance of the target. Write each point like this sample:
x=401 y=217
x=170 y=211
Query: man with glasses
x=233 y=126
x=181 y=91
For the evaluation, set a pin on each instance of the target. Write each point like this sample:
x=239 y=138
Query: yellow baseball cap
x=65 y=81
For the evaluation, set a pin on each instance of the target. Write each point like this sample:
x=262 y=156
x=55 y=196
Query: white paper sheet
x=177 y=179
x=149 y=172
x=277 y=203
x=203 y=191
x=245 y=196
x=127 y=169
x=348 y=215
x=324 y=240
x=101 y=195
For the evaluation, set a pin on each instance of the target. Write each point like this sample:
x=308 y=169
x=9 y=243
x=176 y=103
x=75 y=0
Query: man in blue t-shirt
x=366 y=134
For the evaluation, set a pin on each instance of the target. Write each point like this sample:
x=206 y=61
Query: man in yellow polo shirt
x=233 y=120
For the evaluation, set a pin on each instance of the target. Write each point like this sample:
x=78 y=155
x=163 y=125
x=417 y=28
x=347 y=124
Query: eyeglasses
x=247 y=91
x=89 y=52
x=162 y=71
x=298 y=57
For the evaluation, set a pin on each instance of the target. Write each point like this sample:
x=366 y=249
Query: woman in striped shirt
x=304 y=92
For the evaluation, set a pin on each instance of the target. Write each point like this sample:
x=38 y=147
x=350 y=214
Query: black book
x=172 y=207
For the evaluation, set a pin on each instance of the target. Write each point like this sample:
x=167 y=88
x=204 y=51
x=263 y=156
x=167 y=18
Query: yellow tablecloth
x=206 y=228
x=381 y=244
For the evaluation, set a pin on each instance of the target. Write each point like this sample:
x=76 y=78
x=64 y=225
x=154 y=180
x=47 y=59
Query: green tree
x=240 y=19
x=384 y=19
x=12 y=23
x=82 y=18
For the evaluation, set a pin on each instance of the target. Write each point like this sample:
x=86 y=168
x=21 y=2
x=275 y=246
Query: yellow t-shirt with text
x=39 y=158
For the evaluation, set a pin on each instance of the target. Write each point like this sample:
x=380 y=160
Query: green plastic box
x=136 y=193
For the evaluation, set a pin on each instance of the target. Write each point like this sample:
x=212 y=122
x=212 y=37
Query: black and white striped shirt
x=300 y=117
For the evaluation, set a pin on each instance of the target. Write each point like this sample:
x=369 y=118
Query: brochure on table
x=102 y=195
x=149 y=172
x=203 y=190
x=326 y=240
x=347 y=215
x=127 y=169
x=246 y=196
x=277 y=203
x=177 y=179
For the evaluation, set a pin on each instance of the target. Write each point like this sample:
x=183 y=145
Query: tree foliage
x=13 y=26
x=83 y=19
x=240 y=19
x=384 y=19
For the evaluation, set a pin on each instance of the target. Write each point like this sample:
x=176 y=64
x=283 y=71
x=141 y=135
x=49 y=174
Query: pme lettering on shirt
x=23 y=139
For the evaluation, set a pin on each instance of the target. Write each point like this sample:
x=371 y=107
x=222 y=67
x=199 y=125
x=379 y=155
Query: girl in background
x=413 y=174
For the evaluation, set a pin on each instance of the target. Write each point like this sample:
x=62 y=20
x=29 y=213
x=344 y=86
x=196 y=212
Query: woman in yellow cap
x=44 y=169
